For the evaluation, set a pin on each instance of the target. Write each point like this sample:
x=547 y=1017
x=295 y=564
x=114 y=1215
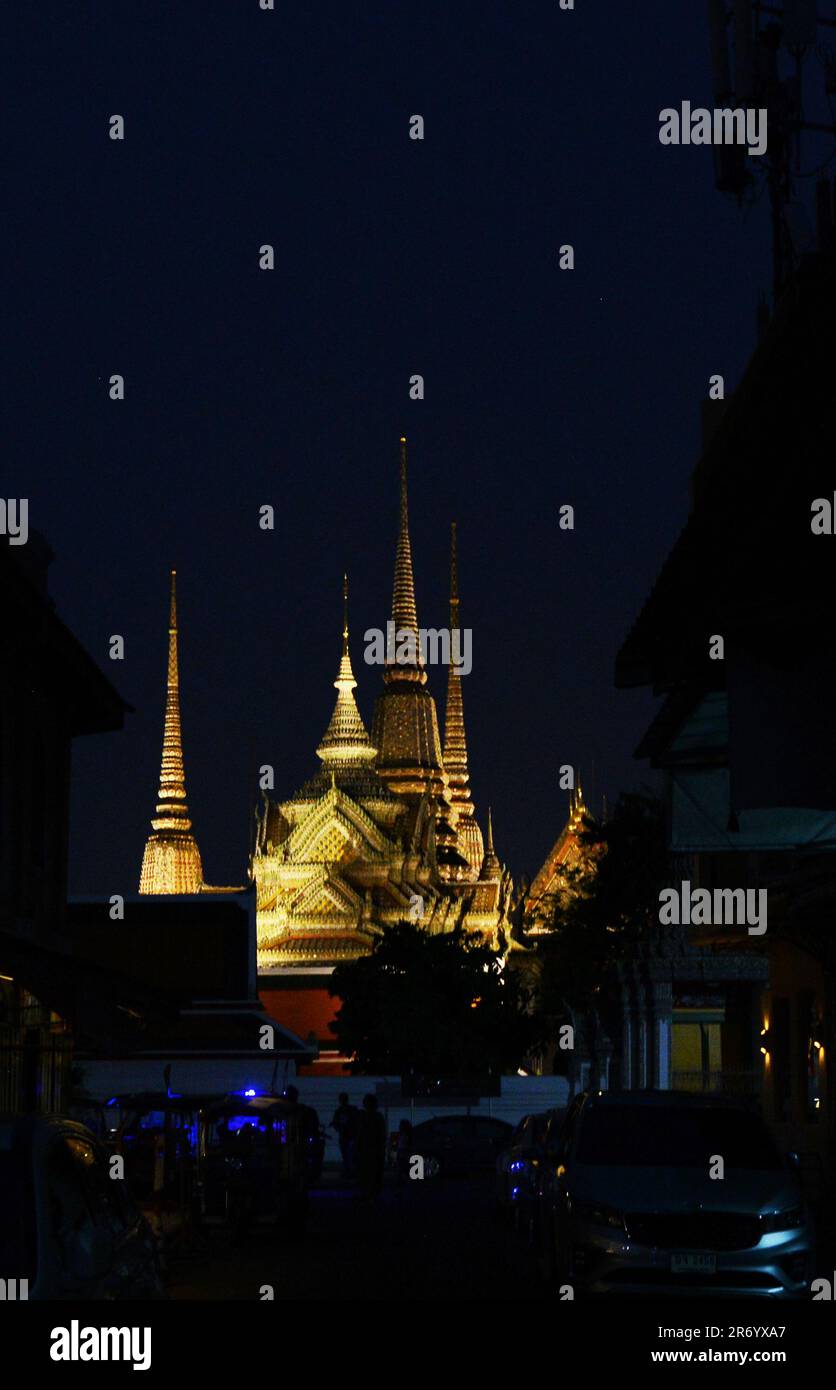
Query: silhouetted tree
x=435 y=1004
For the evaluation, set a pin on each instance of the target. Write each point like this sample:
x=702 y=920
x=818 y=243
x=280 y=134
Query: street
x=432 y=1239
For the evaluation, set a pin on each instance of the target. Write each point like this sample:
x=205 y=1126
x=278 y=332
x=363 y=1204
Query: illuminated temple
x=384 y=831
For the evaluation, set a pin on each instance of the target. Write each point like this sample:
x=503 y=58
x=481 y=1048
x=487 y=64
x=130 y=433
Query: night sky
x=246 y=387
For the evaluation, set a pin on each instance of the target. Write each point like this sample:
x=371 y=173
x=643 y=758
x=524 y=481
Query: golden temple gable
x=554 y=880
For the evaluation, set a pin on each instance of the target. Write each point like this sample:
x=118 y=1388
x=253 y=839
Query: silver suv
x=662 y=1192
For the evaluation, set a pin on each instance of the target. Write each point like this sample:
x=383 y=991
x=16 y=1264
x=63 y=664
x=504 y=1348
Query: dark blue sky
x=244 y=387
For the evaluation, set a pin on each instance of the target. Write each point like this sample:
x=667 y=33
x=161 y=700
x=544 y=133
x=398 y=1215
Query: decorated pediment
x=337 y=830
x=323 y=897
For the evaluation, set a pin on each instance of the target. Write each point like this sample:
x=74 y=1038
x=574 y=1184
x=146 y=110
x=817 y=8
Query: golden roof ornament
x=171 y=862
x=345 y=740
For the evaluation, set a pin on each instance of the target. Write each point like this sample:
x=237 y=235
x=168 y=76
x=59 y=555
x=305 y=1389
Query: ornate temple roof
x=380 y=833
x=566 y=852
x=171 y=862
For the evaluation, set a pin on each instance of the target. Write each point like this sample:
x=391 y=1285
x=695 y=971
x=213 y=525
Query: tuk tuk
x=157 y=1135
x=253 y=1165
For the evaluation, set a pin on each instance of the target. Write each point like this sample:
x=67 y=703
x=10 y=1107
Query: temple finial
x=345 y=740
x=404 y=613
x=171 y=863
x=490 y=831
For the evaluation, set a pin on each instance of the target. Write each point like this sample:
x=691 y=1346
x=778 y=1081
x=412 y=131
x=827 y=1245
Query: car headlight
x=788 y=1220
x=599 y=1215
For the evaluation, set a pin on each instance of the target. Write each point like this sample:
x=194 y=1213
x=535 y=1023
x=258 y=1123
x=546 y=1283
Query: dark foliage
x=440 y=1005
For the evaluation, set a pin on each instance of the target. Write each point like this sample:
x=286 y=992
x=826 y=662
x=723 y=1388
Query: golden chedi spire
x=345 y=740
x=469 y=836
x=404 y=611
x=405 y=728
x=171 y=862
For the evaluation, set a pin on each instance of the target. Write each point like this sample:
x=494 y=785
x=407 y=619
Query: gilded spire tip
x=172 y=606
x=404 y=614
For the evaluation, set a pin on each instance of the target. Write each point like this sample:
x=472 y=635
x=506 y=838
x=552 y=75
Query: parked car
x=460 y=1144
x=627 y=1202
x=517 y=1169
x=66 y=1226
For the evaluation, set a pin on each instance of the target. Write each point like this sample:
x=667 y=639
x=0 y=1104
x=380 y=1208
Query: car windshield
x=657 y=1136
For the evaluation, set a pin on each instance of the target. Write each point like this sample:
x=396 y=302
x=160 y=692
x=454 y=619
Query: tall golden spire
x=171 y=862
x=455 y=743
x=405 y=727
x=345 y=740
x=404 y=611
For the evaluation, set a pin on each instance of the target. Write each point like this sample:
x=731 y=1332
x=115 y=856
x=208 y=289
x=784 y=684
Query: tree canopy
x=437 y=1005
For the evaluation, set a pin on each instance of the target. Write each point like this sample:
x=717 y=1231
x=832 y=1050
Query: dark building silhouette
x=51 y=692
x=747 y=739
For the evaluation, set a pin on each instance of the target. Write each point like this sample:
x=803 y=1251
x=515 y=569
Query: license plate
x=688 y=1263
